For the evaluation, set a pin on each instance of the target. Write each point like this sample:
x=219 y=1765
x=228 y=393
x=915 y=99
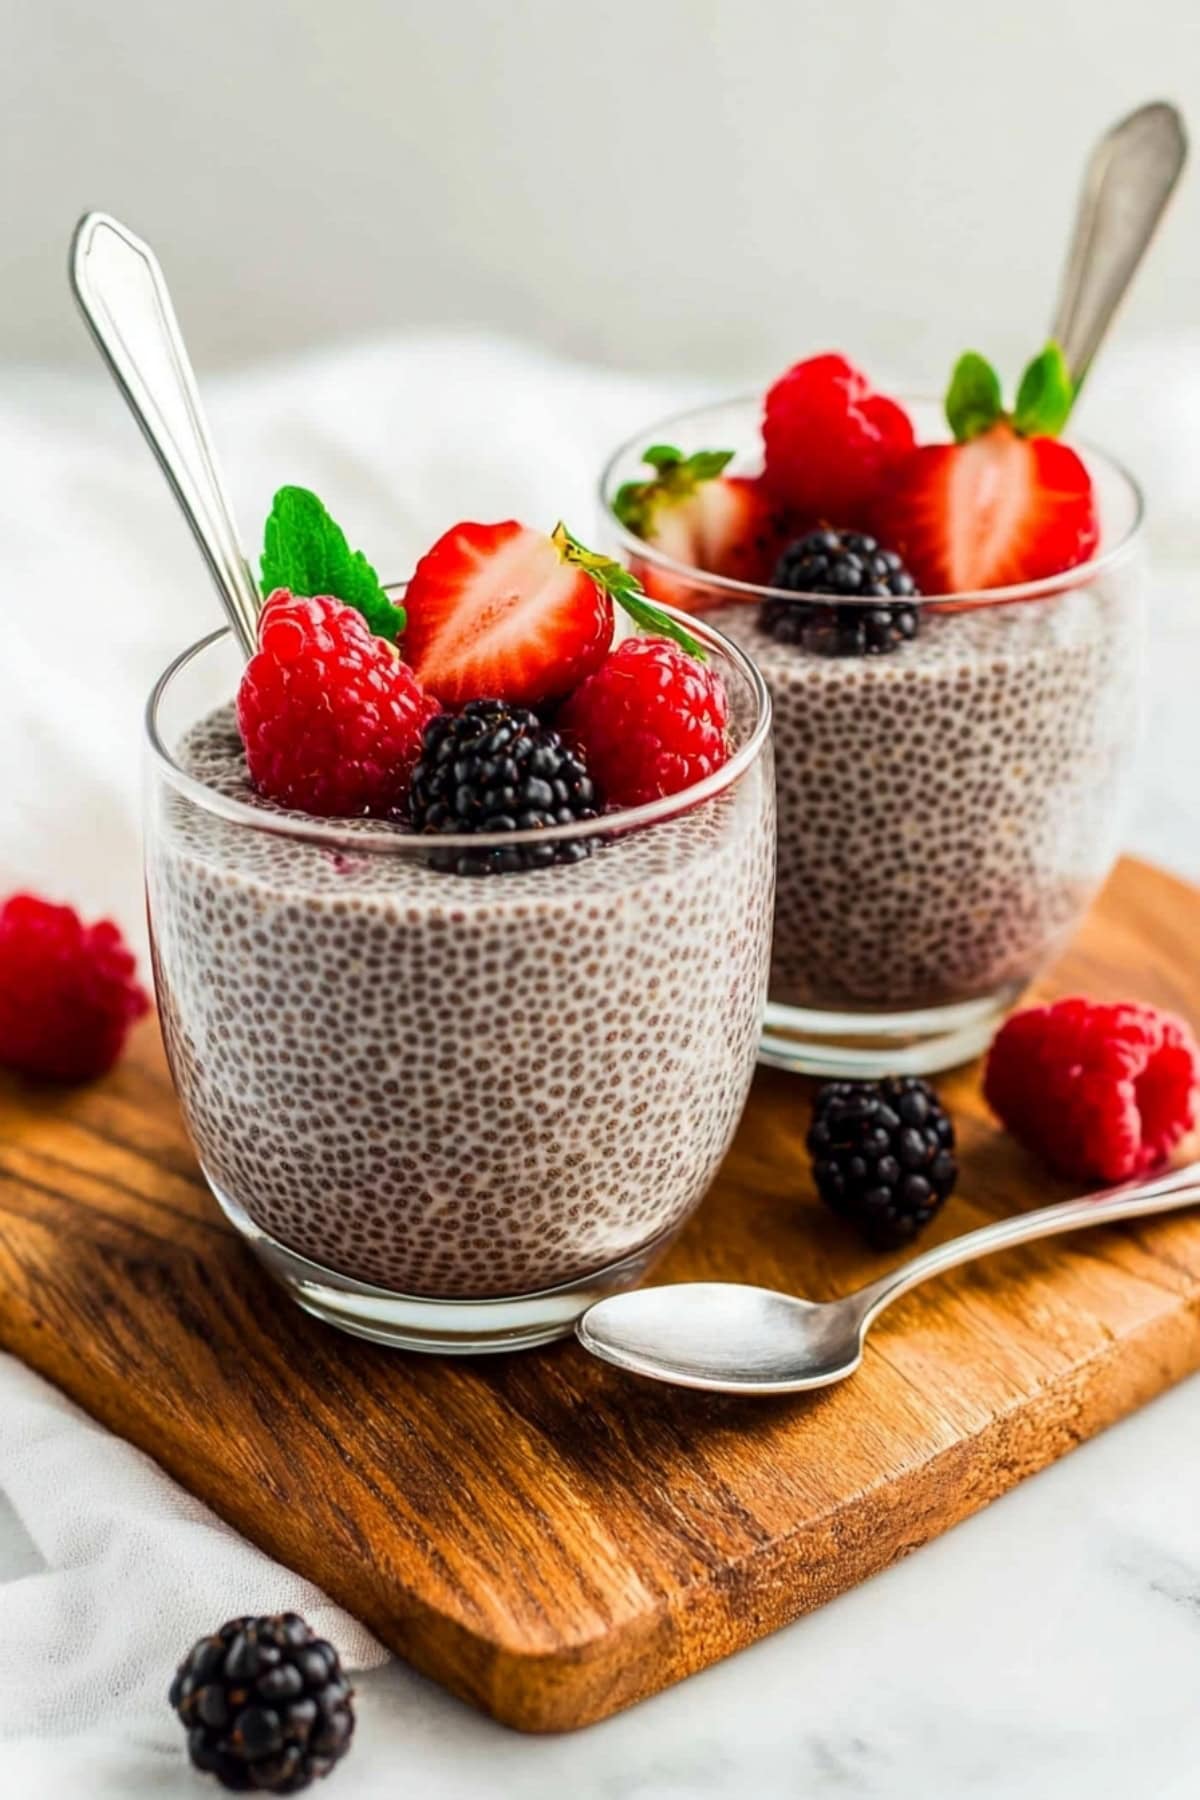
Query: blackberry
x=495 y=767
x=265 y=1703
x=842 y=563
x=882 y=1155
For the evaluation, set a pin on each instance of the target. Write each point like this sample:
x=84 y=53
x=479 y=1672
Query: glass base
x=864 y=1046
x=446 y=1326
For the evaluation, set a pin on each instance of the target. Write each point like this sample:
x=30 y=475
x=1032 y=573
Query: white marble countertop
x=1051 y=1645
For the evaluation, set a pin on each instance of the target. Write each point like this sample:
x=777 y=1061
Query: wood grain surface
x=548 y=1538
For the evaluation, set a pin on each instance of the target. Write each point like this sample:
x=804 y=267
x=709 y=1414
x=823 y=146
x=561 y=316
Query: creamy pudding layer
x=456 y=1087
x=945 y=812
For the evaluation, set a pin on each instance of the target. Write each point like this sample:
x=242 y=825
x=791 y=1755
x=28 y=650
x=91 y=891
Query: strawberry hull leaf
x=650 y=617
x=625 y=590
x=305 y=551
x=973 y=402
x=1045 y=396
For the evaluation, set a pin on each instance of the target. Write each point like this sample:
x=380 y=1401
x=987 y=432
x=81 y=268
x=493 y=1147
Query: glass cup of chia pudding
x=448 y=1113
x=952 y=761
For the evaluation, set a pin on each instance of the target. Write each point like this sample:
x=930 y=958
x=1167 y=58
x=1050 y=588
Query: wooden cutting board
x=548 y=1538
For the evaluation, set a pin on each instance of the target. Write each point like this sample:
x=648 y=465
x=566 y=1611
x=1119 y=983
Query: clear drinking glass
x=448 y=1112
x=946 y=812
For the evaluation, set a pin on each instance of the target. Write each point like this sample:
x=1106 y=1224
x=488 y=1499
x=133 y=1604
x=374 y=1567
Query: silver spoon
x=732 y=1339
x=119 y=285
x=1129 y=178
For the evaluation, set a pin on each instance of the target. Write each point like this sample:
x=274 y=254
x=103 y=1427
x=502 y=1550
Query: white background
x=703 y=184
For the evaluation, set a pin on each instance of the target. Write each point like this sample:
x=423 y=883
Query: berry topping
x=1100 y=1093
x=843 y=563
x=1006 y=503
x=829 y=440
x=68 y=991
x=266 y=1705
x=699 y=516
x=651 y=721
x=882 y=1155
x=500 y=609
x=307 y=553
x=330 y=716
x=496 y=767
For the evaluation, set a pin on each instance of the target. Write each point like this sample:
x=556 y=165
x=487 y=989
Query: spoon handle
x=1128 y=181
x=1176 y=1188
x=121 y=292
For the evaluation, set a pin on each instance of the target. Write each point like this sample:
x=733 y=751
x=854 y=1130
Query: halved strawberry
x=830 y=440
x=505 y=612
x=693 y=512
x=1005 y=504
x=992 y=512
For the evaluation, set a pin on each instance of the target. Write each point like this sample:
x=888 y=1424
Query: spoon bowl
x=725 y=1337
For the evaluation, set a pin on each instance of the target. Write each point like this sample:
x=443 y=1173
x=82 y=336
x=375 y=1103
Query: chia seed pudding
x=455 y=1087
x=946 y=812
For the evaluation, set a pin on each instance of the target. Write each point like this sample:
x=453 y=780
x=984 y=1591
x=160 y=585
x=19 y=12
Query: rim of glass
x=392 y=840
x=666 y=428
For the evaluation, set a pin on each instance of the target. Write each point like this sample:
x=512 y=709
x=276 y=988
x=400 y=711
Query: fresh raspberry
x=1099 y=1092
x=829 y=440
x=330 y=716
x=68 y=991
x=651 y=721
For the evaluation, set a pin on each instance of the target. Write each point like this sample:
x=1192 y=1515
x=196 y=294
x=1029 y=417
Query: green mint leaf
x=676 y=477
x=304 y=550
x=625 y=590
x=973 y=400
x=1045 y=396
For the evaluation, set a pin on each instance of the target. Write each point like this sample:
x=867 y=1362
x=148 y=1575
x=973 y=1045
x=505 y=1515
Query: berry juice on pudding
x=491 y=1035
x=951 y=635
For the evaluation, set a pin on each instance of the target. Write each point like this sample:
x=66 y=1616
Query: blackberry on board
x=495 y=767
x=882 y=1155
x=265 y=1703
x=849 y=564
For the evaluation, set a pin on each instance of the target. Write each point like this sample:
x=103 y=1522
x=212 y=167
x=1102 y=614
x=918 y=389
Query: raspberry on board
x=69 y=992
x=651 y=721
x=1099 y=1092
x=330 y=716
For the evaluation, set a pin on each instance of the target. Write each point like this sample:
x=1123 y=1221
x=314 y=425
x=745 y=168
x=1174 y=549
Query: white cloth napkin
x=126 y=1571
x=111 y=1570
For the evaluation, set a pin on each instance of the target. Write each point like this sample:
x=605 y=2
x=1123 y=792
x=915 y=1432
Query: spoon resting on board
x=731 y=1339
x=123 y=296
